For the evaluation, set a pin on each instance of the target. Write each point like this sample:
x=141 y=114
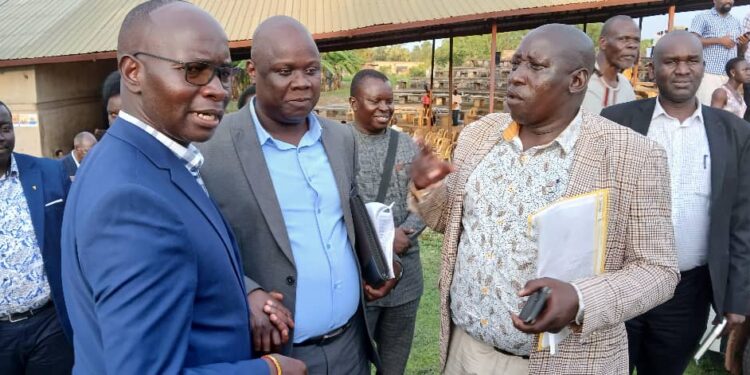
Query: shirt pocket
x=700 y=177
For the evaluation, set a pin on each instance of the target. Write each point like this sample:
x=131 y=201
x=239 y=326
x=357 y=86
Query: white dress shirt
x=689 y=156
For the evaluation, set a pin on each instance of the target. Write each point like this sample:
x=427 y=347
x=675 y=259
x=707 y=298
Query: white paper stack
x=382 y=219
x=571 y=237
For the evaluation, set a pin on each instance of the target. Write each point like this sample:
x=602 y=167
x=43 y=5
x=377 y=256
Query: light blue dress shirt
x=328 y=283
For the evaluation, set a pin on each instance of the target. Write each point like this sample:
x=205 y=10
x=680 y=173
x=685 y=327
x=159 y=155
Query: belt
x=510 y=354
x=326 y=338
x=17 y=317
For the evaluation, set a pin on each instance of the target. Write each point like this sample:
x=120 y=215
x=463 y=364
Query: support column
x=493 y=63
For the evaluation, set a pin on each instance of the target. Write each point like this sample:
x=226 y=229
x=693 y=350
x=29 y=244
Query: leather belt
x=510 y=354
x=326 y=338
x=17 y=317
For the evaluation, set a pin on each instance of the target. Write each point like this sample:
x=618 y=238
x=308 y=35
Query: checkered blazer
x=641 y=263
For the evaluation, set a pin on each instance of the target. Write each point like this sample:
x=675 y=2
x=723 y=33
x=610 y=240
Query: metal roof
x=44 y=31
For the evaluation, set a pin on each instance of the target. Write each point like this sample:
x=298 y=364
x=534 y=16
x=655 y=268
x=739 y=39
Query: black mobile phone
x=534 y=305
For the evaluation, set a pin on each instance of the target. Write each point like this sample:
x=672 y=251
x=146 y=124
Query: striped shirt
x=190 y=155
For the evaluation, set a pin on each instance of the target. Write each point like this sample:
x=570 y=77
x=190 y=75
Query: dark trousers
x=35 y=346
x=393 y=330
x=662 y=341
x=345 y=355
x=746 y=94
x=456 y=113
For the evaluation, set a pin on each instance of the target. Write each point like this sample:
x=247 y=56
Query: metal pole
x=670 y=22
x=432 y=66
x=450 y=72
x=493 y=62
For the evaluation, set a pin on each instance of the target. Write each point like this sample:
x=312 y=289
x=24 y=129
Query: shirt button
x=328 y=246
x=319 y=210
x=290 y=280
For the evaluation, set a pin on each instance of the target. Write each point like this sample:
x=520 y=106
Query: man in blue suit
x=152 y=277
x=32 y=195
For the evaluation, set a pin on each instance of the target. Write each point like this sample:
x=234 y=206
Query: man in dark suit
x=33 y=320
x=82 y=144
x=709 y=157
x=282 y=178
x=152 y=276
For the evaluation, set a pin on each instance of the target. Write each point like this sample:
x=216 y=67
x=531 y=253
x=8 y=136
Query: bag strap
x=390 y=161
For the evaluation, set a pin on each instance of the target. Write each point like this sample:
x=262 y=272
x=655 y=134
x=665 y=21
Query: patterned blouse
x=496 y=255
x=23 y=283
x=735 y=101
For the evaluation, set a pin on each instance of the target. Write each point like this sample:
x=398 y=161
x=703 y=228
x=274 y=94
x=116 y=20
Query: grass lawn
x=424 y=353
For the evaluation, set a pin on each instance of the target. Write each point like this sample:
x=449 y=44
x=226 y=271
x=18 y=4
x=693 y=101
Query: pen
x=704 y=161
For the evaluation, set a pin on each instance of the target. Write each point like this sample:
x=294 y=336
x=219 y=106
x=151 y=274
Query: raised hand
x=426 y=168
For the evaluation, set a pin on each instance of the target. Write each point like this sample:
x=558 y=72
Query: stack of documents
x=571 y=236
x=381 y=217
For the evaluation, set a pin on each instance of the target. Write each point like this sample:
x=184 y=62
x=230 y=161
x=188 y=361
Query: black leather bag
x=366 y=243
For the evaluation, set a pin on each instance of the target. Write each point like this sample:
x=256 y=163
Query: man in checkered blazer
x=508 y=166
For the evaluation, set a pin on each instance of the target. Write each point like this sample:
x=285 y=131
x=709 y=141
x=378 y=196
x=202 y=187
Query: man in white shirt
x=618 y=50
x=709 y=162
x=456 y=106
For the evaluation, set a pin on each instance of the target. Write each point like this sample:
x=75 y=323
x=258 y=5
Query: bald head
x=136 y=24
x=567 y=43
x=615 y=23
x=674 y=39
x=277 y=31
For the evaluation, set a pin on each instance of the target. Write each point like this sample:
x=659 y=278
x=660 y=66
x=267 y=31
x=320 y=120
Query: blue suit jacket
x=151 y=271
x=45 y=185
x=69 y=164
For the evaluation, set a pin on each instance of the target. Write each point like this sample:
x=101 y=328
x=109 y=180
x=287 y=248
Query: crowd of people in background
x=184 y=239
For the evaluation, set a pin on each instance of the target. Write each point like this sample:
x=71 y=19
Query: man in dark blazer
x=282 y=177
x=152 y=276
x=82 y=144
x=709 y=156
x=33 y=320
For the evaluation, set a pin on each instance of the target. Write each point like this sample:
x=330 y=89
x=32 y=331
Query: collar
x=190 y=154
x=311 y=136
x=13 y=171
x=567 y=139
x=73 y=155
x=659 y=111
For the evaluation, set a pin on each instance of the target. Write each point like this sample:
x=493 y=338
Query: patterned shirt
x=190 y=155
x=710 y=24
x=746 y=29
x=689 y=157
x=496 y=254
x=371 y=153
x=23 y=283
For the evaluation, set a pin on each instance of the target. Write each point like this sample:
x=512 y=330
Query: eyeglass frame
x=215 y=68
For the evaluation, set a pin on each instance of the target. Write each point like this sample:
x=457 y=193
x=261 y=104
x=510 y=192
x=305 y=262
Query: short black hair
x=111 y=86
x=249 y=91
x=7 y=109
x=362 y=75
x=731 y=64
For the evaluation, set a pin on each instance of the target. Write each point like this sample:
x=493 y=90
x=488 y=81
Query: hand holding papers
x=571 y=239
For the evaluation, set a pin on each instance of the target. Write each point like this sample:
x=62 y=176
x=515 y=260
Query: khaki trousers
x=469 y=356
x=709 y=84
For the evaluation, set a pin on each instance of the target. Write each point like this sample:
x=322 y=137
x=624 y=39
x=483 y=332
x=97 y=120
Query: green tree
x=336 y=63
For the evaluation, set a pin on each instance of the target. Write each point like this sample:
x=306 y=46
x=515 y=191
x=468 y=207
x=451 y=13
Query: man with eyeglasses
x=152 y=276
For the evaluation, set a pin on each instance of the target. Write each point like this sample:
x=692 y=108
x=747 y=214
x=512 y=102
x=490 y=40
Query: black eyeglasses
x=200 y=73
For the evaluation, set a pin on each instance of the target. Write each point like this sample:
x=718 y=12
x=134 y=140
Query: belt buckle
x=22 y=318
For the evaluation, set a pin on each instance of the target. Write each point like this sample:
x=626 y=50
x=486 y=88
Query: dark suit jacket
x=729 y=232
x=45 y=186
x=70 y=165
x=152 y=276
x=237 y=176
